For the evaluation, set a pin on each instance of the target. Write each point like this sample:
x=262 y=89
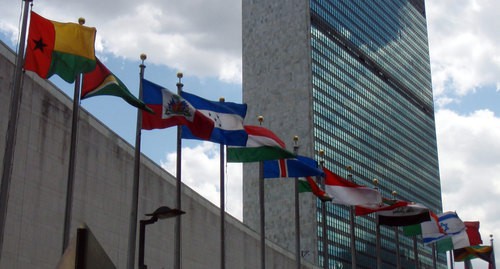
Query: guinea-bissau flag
x=65 y=49
x=102 y=82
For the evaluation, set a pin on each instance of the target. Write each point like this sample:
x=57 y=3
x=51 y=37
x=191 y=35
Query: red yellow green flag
x=65 y=49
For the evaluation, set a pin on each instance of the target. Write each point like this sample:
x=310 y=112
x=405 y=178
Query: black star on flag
x=39 y=44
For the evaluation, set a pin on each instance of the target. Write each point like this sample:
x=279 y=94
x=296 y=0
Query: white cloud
x=469 y=157
x=463 y=39
x=201 y=170
x=203 y=37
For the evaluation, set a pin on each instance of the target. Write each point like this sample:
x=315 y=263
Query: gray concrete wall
x=103 y=190
x=277 y=69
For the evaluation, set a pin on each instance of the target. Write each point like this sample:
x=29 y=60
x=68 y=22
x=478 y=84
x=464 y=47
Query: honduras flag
x=227 y=118
x=297 y=167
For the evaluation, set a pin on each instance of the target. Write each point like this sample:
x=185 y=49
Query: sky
x=202 y=39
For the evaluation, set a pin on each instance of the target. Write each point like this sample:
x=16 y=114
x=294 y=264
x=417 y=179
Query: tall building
x=351 y=78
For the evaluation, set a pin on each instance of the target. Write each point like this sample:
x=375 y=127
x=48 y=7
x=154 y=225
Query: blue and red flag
x=297 y=167
x=170 y=110
x=227 y=118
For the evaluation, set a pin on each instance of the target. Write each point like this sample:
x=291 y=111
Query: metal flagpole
x=452 y=260
x=10 y=139
x=72 y=158
x=178 y=250
x=396 y=238
x=492 y=261
x=222 y=206
x=262 y=211
x=377 y=233
x=415 y=251
x=434 y=263
x=326 y=260
x=297 y=208
x=352 y=224
x=379 y=257
x=135 y=185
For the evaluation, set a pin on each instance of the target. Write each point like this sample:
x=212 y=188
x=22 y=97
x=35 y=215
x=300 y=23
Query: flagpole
x=434 y=263
x=262 y=211
x=178 y=250
x=377 y=233
x=71 y=166
x=222 y=206
x=352 y=223
x=467 y=264
x=492 y=262
x=72 y=157
x=452 y=261
x=10 y=139
x=326 y=260
x=396 y=238
x=297 y=208
x=135 y=183
x=415 y=251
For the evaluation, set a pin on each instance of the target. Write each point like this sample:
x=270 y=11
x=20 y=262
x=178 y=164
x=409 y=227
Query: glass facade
x=351 y=78
x=373 y=110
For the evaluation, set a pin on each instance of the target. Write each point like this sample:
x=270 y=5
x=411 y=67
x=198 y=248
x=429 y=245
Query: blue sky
x=202 y=39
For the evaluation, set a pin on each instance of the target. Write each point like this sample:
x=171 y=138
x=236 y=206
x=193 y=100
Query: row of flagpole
x=135 y=188
x=9 y=157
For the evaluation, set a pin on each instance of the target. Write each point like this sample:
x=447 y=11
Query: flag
x=451 y=223
x=102 y=82
x=227 y=119
x=410 y=214
x=262 y=144
x=299 y=166
x=345 y=192
x=309 y=185
x=387 y=204
x=468 y=237
x=430 y=230
x=65 y=49
x=170 y=110
x=473 y=252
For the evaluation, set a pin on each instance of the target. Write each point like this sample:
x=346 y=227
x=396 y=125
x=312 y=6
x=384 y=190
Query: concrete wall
x=103 y=190
x=277 y=69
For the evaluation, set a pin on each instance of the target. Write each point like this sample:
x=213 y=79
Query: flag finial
x=143 y=58
x=81 y=21
x=260 y=119
x=179 y=84
x=375 y=182
x=222 y=99
x=349 y=175
x=394 y=193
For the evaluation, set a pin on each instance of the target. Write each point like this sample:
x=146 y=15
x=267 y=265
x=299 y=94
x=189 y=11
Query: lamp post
x=163 y=212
